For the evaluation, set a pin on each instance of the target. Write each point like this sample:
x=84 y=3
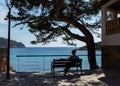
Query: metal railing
x=42 y=63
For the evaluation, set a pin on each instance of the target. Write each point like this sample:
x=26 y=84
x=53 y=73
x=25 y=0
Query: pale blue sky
x=24 y=35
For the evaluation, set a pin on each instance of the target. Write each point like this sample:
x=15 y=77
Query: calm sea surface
x=39 y=59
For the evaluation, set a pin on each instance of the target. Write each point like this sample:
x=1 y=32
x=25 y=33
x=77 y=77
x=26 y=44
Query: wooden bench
x=61 y=63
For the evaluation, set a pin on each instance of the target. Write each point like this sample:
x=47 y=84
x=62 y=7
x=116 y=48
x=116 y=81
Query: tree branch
x=75 y=36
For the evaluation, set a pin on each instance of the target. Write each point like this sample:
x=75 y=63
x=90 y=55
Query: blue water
x=39 y=59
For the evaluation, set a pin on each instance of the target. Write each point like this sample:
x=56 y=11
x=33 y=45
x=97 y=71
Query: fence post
x=44 y=63
x=18 y=64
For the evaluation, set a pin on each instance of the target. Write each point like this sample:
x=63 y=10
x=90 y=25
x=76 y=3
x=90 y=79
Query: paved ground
x=97 y=77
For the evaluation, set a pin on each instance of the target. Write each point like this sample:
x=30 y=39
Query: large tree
x=49 y=19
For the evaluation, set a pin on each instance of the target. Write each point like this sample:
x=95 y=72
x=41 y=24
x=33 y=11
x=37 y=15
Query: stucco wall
x=111 y=57
x=111 y=40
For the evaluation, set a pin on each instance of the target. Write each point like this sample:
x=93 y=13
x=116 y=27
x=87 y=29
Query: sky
x=24 y=35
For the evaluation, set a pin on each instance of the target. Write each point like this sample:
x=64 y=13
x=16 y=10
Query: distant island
x=13 y=44
x=97 y=46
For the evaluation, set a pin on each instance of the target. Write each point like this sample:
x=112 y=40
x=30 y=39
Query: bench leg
x=53 y=71
x=77 y=69
x=81 y=69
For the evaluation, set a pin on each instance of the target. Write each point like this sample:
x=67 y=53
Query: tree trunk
x=91 y=53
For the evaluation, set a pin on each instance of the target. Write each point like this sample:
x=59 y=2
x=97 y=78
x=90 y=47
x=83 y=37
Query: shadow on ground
x=112 y=78
x=88 y=78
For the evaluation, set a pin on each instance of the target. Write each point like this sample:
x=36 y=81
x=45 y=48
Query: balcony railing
x=112 y=27
x=42 y=63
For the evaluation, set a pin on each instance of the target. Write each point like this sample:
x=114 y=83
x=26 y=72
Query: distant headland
x=97 y=46
x=13 y=44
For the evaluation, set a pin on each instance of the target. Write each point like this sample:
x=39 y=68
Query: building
x=111 y=34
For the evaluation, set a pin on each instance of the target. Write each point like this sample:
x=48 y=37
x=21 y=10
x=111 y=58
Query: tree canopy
x=48 y=19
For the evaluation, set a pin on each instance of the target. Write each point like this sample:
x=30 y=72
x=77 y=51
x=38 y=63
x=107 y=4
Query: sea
x=32 y=59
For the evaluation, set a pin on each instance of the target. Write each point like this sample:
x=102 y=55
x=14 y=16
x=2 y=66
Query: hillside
x=97 y=46
x=13 y=44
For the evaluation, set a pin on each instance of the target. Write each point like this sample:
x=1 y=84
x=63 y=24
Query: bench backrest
x=62 y=62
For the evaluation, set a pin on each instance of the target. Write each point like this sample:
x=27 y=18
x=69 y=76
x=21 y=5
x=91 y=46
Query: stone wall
x=3 y=59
